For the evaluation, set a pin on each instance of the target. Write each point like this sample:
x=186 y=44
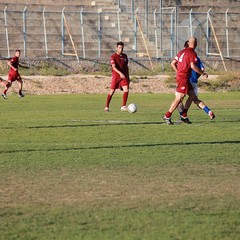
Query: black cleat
x=168 y=120
x=185 y=120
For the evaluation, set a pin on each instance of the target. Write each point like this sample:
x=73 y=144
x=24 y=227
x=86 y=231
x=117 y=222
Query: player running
x=13 y=75
x=120 y=76
x=194 y=98
x=185 y=62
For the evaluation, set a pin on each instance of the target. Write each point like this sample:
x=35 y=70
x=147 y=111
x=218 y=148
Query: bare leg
x=191 y=98
x=178 y=99
x=7 y=85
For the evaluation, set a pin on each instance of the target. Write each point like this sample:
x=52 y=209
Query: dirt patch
x=87 y=84
x=95 y=185
x=79 y=83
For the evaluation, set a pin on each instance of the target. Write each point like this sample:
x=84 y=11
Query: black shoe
x=168 y=120
x=211 y=115
x=185 y=120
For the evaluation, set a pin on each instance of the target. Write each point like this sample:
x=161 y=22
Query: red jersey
x=15 y=62
x=121 y=63
x=184 y=59
x=12 y=74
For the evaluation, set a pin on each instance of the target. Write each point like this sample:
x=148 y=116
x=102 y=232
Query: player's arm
x=174 y=65
x=198 y=70
x=23 y=66
x=117 y=71
x=11 y=66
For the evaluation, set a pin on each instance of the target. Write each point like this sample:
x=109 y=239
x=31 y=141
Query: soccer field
x=69 y=170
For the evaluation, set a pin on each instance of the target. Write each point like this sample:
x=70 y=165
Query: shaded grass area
x=71 y=171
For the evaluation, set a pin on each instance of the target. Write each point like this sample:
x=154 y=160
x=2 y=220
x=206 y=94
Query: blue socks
x=206 y=109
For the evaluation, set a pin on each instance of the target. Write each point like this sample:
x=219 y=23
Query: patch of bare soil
x=97 y=185
x=79 y=83
x=87 y=84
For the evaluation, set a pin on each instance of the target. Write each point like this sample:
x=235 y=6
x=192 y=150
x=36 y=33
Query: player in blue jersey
x=194 y=97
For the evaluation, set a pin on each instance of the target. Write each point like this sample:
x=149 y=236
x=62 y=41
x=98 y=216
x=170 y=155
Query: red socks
x=125 y=97
x=184 y=113
x=168 y=114
x=109 y=97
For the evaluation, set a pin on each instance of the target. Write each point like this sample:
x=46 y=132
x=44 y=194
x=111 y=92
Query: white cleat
x=211 y=115
x=4 y=96
x=124 y=108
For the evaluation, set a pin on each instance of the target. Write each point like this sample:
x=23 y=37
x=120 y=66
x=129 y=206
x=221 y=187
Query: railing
x=83 y=34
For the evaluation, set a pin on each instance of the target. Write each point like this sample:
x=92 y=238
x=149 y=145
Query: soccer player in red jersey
x=120 y=76
x=13 y=75
x=183 y=64
x=194 y=98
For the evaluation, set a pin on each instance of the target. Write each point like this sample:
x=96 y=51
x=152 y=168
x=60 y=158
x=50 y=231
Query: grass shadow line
x=121 y=146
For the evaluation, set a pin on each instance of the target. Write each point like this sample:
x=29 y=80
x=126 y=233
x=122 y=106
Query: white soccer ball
x=132 y=108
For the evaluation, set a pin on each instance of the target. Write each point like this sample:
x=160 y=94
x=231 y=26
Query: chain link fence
x=155 y=33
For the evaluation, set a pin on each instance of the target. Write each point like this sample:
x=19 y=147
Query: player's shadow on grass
x=119 y=123
x=109 y=124
x=120 y=146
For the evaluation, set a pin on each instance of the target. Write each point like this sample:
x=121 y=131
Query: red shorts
x=183 y=85
x=14 y=76
x=118 y=83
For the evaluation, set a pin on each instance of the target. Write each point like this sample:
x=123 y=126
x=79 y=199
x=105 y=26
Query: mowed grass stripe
x=71 y=171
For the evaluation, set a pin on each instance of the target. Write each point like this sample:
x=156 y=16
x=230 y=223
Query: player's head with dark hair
x=120 y=44
x=17 y=53
x=186 y=44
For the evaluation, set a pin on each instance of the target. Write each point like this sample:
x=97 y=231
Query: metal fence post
x=45 y=33
x=99 y=34
x=24 y=32
x=119 y=24
x=6 y=29
x=82 y=31
x=62 y=25
x=172 y=34
x=161 y=24
x=190 y=23
x=226 y=19
x=155 y=31
x=135 y=32
x=175 y=30
x=207 y=32
x=133 y=11
x=146 y=17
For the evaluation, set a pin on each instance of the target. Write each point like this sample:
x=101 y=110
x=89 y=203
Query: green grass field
x=69 y=170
